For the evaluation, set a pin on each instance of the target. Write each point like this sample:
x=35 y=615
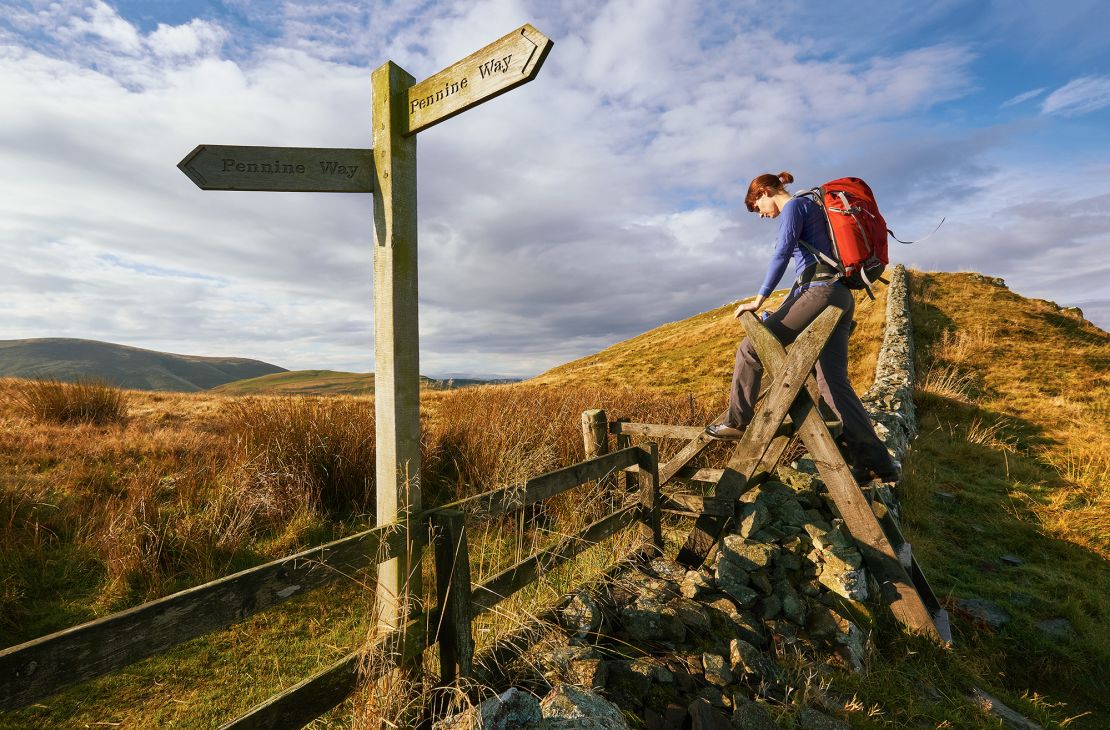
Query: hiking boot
x=889 y=472
x=724 y=432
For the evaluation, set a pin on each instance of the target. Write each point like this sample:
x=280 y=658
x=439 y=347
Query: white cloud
x=1079 y=96
x=596 y=202
x=1022 y=97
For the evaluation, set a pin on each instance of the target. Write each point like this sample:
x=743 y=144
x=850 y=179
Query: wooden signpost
x=401 y=108
x=282 y=169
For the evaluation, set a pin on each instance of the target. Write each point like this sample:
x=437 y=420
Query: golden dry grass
x=695 y=355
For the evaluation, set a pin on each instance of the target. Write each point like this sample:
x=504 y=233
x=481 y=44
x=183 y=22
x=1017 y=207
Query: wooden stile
x=898 y=590
x=745 y=463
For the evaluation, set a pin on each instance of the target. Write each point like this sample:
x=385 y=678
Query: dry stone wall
x=889 y=401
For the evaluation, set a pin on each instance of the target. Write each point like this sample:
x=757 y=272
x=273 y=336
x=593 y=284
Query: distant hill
x=329 y=382
x=304 y=382
x=127 y=367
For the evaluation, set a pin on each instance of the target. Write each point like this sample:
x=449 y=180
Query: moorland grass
x=84 y=401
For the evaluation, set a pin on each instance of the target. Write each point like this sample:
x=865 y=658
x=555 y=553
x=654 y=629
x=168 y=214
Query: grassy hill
x=303 y=382
x=128 y=367
x=1013 y=460
x=327 y=382
x=695 y=355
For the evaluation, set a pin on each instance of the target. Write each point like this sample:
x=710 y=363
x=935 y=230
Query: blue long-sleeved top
x=800 y=218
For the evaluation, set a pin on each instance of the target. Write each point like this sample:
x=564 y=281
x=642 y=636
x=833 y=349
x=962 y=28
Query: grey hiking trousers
x=787 y=322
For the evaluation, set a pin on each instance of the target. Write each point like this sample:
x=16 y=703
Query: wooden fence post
x=595 y=433
x=396 y=340
x=623 y=441
x=649 y=494
x=456 y=643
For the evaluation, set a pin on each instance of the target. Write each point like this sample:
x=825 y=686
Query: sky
x=598 y=201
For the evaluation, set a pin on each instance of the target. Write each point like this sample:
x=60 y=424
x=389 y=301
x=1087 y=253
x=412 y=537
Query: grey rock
x=986 y=611
x=582 y=616
x=811 y=719
x=1013 y=560
x=805 y=465
x=668 y=569
x=1010 y=718
x=692 y=614
x=628 y=680
x=748 y=554
x=587 y=673
x=752 y=518
x=793 y=606
x=556 y=663
x=569 y=708
x=946 y=497
x=761 y=582
x=749 y=715
x=650 y=619
x=850 y=584
x=733 y=580
x=771 y=494
x=695 y=584
x=1057 y=628
x=714 y=696
x=769 y=607
x=769 y=534
x=748 y=661
x=704 y=715
x=716 y=669
x=511 y=709
x=791 y=513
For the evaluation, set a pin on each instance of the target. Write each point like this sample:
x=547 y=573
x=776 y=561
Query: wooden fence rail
x=43 y=666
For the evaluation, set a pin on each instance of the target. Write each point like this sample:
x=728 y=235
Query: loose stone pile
x=728 y=645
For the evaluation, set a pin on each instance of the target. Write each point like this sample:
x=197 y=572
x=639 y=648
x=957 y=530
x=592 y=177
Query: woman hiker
x=817 y=287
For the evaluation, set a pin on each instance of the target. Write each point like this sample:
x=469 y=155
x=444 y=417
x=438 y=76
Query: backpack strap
x=899 y=240
x=824 y=258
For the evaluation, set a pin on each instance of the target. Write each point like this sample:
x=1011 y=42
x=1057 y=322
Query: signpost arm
x=397 y=353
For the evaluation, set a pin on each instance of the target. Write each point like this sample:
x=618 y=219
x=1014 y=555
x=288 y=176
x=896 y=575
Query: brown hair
x=766 y=183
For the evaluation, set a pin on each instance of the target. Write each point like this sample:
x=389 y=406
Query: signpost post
x=401 y=108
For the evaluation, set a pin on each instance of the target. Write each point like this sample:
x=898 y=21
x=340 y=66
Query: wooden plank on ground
x=759 y=434
x=505 y=499
x=496 y=589
x=898 y=590
x=37 y=668
x=305 y=701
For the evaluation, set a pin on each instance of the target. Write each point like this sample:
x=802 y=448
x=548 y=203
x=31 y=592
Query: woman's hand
x=752 y=306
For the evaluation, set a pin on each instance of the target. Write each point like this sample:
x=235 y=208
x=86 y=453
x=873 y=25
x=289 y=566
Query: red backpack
x=856 y=228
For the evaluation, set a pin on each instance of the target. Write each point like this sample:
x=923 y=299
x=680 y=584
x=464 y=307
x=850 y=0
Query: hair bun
x=786 y=177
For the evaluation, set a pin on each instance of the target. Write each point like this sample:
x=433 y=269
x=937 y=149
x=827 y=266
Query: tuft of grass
x=323 y=447
x=86 y=401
